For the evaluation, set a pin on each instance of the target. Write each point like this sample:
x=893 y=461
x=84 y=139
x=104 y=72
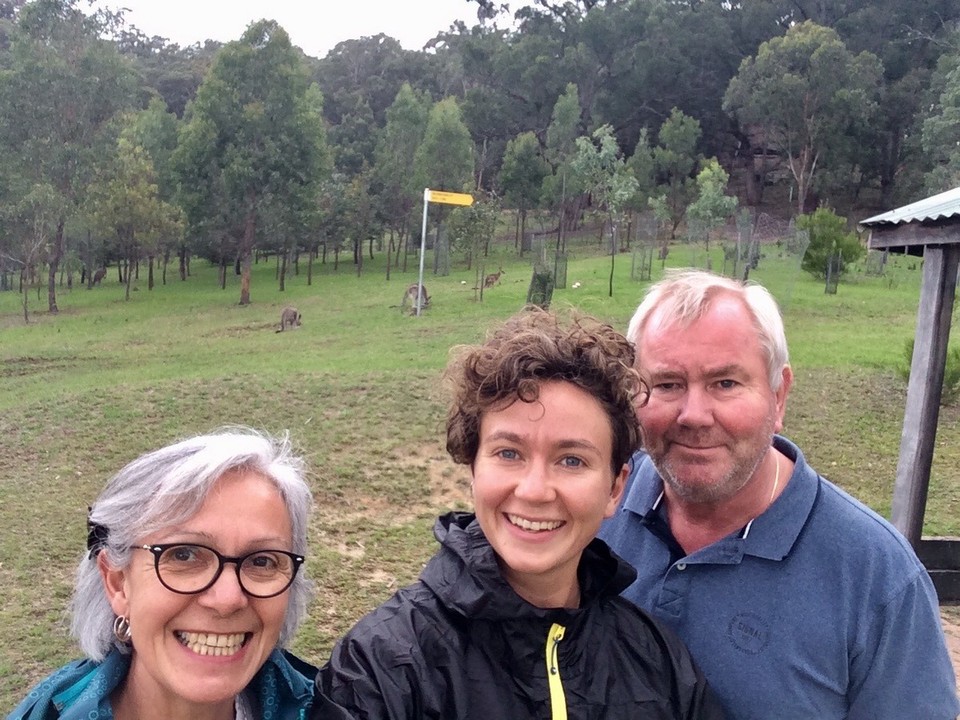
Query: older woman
x=519 y=615
x=191 y=583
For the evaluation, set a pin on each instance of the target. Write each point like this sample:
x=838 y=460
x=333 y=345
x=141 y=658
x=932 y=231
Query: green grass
x=357 y=386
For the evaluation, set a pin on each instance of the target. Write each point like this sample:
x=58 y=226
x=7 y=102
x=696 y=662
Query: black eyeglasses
x=189 y=569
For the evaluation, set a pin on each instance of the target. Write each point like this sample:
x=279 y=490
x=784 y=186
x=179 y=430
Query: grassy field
x=83 y=392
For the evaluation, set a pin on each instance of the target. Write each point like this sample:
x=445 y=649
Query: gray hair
x=684 y=296
x=168 y=486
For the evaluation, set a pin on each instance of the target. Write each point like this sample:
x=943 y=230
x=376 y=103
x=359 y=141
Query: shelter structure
x=929 y=228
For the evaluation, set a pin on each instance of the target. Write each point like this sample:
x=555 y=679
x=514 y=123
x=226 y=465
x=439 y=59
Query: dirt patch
x=22 y=366
x=448 y=488
x=449 y=482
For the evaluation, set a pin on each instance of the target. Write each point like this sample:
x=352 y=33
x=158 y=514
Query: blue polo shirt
x=816 y=610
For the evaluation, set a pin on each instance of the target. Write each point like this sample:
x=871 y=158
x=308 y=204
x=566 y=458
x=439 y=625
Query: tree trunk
x=389 y=250
x=523 y=228
x=246 y=250
x=56 y=257
x=150 y=272
x=130 y=261
x=25 y=288
x=613 y=252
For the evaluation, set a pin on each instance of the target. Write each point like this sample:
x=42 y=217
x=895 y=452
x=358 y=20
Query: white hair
x=168 y=486
x=683 y=296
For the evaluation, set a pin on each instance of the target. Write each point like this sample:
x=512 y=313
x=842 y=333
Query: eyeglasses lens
x=192 y=568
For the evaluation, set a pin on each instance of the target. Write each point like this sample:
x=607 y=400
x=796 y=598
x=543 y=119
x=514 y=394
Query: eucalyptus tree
x=641 y=165
x=472 y=227
x=675 y=159
x=522 y=175
x=168 y=70
x=512 y=81
x=368 y=71
x=396 y=149
x=909 y=38
x=125 y=203
x=941 y=130
x=29 y=215
x=492 y=100
x=603 y=172
x=253 y=135
x=712 y=206
x=63 y=85
x=354 y=138
x=806 y=90
x=155 y=130
x=333 y=202
x=444 y=160
x=562 y=133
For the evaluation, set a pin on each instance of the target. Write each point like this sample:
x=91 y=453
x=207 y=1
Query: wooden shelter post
x=937 y=292
x=931 y=228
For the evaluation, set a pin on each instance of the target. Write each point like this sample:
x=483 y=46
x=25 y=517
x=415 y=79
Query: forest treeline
x=119 y=149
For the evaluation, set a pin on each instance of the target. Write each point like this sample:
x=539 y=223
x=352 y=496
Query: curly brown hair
x=530 y=348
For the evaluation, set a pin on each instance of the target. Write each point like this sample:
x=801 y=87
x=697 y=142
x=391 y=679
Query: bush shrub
x=828 y=237
x=951 y=373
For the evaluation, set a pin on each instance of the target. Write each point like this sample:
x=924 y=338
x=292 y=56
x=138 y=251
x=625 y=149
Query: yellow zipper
x=558 y=703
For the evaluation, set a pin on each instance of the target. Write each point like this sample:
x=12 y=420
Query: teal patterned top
x=281 y=690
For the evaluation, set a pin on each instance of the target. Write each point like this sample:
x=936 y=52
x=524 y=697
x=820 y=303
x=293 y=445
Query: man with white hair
x=795 y=599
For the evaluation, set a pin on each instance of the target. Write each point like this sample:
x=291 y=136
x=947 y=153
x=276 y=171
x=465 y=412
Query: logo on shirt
x=749 y=633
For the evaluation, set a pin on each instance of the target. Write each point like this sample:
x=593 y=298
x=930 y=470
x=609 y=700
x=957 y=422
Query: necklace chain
x=776 y=481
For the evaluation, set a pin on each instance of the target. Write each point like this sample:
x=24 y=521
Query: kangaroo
x=99 y=275
x=289 y=317
x=410 y=298
x=493 y=279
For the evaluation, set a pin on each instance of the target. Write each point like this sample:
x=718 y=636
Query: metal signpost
x=443 y=198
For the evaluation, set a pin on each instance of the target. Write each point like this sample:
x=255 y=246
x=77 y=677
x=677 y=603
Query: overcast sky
x=316 y=26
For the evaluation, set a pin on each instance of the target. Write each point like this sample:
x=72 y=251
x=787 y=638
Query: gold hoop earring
x=121 y=630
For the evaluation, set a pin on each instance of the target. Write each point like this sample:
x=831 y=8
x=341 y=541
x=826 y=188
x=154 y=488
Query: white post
x=423 y=246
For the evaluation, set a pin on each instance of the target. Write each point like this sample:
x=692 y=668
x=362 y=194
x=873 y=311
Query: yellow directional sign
x=448 y=198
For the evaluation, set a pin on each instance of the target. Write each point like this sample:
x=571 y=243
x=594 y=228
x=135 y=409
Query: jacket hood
x=465 y=574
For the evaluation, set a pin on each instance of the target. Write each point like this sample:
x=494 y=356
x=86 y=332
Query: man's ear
x=616 y=492
x=786 y=382
x=115 y=584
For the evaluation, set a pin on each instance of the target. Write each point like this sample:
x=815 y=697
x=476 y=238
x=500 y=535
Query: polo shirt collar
x=775 y=531
x=771 y=535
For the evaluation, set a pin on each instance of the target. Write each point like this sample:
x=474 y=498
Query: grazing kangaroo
x=289 y=317
x=492 y=279
x=410 y=298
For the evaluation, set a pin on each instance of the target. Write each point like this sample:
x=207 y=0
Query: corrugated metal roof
x=935 y=207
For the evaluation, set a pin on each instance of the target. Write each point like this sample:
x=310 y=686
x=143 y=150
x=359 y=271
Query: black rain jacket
x=461 y=644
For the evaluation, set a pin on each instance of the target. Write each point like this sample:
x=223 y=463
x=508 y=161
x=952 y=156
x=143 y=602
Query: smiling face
x=542 y=484
x=711 y=414
x=173 y=664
